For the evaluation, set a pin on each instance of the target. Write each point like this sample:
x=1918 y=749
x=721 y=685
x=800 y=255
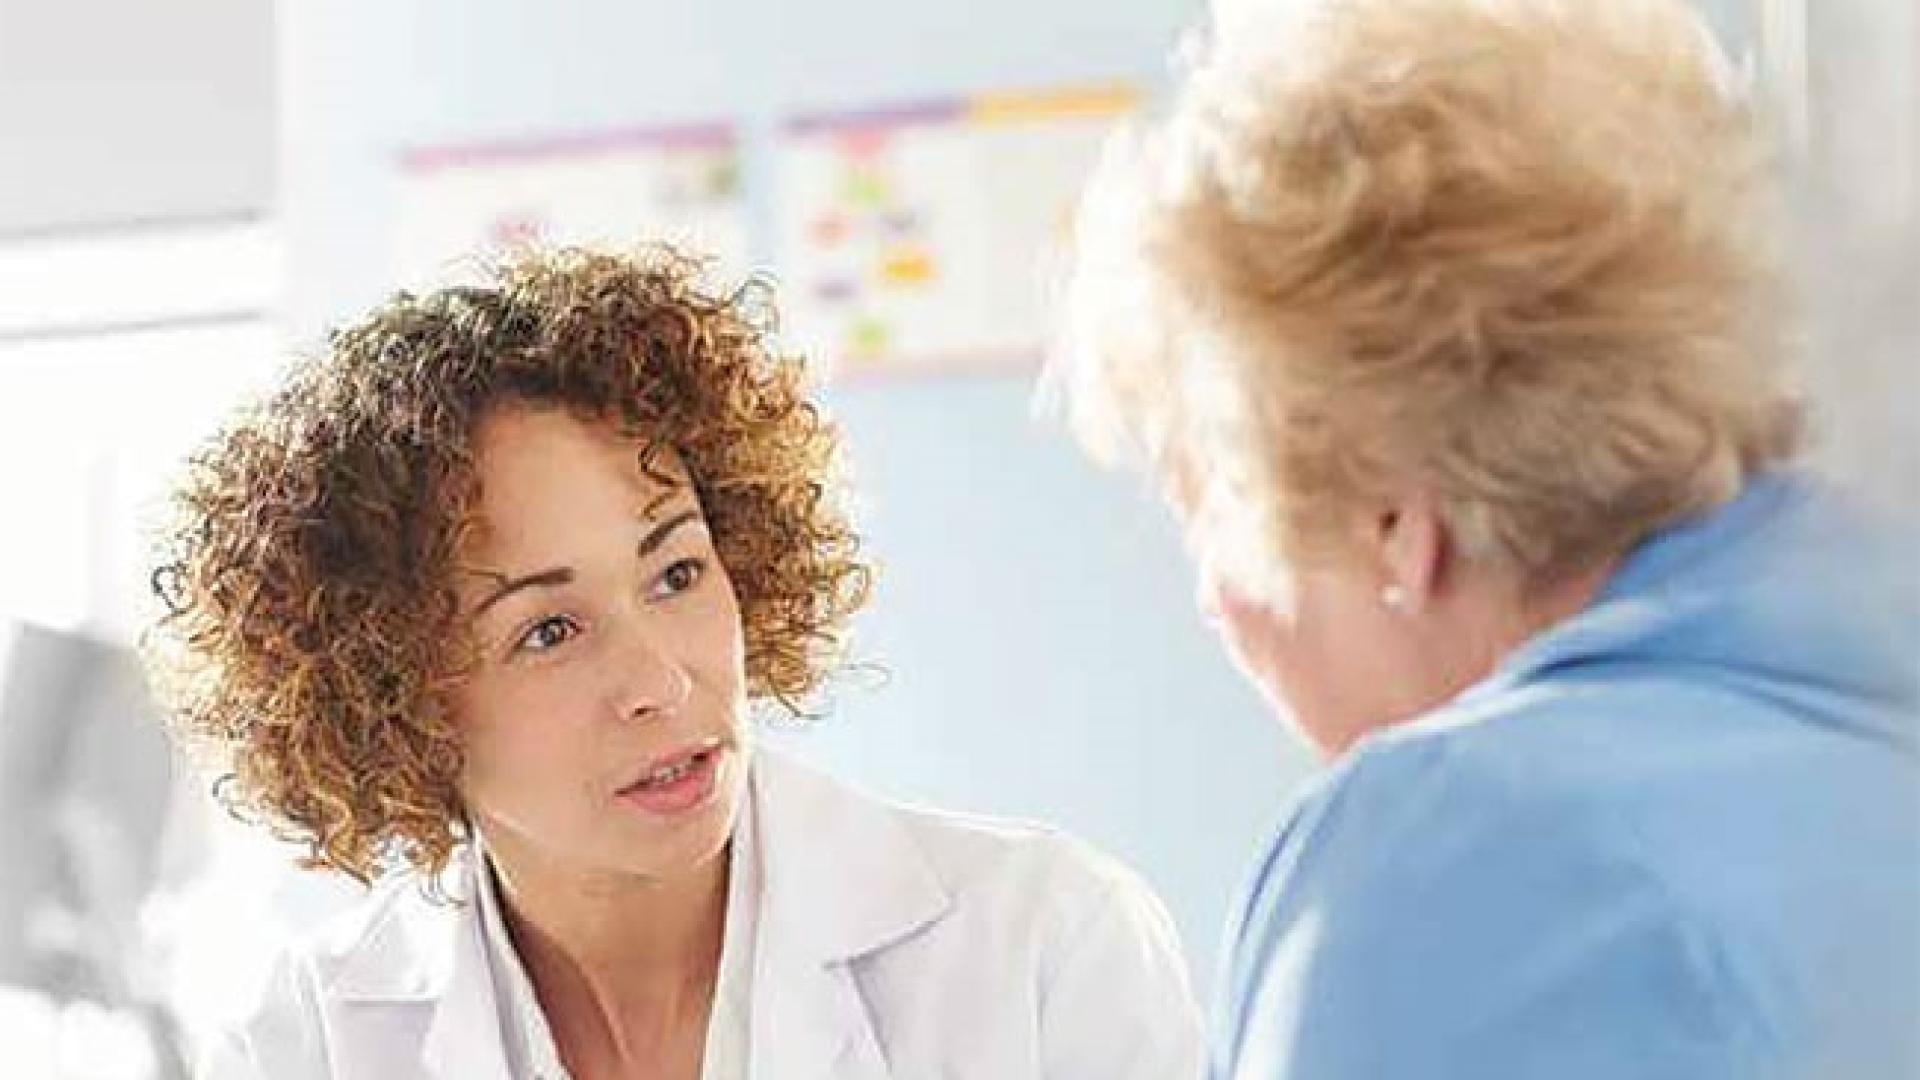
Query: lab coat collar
x=430 y=953
x=841 y=876
x=413 y=943
x=841 y=879
x=455 y=1047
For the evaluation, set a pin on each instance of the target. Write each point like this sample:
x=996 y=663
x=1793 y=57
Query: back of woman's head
x=1512 y=253
x=313 y=628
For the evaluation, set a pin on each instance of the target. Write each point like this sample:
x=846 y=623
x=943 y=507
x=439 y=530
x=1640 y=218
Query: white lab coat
x=891 y=942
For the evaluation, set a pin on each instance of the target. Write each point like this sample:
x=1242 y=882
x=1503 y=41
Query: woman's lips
x=677 y=783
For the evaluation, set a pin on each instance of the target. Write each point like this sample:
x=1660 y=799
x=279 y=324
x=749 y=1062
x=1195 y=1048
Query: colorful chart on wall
x=619 y=188
x=914 y=238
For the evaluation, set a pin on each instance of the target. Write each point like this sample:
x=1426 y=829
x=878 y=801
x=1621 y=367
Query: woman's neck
x=624 y=967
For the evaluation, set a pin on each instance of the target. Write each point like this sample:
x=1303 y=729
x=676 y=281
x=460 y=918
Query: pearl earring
x=1394 y=596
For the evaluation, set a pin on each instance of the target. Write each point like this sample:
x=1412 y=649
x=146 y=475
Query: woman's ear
x=1410 y=543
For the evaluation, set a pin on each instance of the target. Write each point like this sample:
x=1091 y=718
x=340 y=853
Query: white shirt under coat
x=885 y=941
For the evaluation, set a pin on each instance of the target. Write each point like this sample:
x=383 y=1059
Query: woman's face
x=604 y=726
x=1319 y=654
x=1316 y=638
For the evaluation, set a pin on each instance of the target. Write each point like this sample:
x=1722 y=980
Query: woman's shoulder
x=402 y=913
x=1020 y=855
x=938 y=904
x=1592 y=784
x=394 y=943
x=973 y=854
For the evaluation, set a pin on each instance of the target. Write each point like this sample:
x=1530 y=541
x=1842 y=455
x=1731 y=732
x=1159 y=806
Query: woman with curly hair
x=1452 y=331
x=477 y=604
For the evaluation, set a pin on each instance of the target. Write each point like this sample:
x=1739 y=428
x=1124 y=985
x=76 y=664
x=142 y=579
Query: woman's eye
x=546 y=634
x=679 y=577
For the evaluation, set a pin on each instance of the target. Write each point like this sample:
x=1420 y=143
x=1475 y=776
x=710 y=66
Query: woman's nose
x=651 y=679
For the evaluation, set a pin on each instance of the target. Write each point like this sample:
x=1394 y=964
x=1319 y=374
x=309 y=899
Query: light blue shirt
x=1677 y=835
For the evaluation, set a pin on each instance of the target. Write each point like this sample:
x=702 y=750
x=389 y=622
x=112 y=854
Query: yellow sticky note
x=906 y=266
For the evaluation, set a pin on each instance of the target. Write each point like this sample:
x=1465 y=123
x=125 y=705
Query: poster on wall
x=914 y=239
x=619 y=188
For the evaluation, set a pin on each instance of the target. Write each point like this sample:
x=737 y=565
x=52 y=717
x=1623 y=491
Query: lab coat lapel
x=812 y=1024
x=841 y=880
x=433 y=960
x=463 y=1040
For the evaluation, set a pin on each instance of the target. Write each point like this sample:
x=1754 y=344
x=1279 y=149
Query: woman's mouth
x=677 y=783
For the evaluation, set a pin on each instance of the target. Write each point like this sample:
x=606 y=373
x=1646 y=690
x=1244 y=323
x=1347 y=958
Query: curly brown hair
x=312 y=630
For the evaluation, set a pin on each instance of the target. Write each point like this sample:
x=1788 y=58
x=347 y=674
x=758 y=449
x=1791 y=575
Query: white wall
x=1858 y=248
x=114 y=111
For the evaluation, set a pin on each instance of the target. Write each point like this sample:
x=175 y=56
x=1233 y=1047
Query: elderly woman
x=1448 y=328
x=478 y=604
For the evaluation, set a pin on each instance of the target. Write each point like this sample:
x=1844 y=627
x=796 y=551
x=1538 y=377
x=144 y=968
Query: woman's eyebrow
x=559 y=575
x=659 y=533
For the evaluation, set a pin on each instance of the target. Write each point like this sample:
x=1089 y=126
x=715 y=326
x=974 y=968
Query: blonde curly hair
x=312 y=630
x=1514 y=253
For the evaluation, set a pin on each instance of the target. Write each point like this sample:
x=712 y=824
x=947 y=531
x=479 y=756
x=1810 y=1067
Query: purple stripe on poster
x=716 y=136
x=884 y=116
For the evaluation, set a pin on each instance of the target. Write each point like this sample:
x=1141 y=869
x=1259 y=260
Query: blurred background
x=190 y=192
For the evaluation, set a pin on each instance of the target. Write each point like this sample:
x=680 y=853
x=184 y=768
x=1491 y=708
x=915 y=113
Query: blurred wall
x=1045 y=659
x=1856 y=165
x=136 y=164
x=114 y=113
